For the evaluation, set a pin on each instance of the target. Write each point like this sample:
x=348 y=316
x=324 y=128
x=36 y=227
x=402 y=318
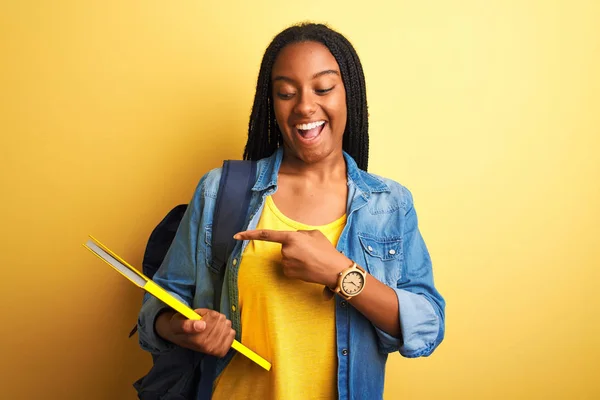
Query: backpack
x=175 y=375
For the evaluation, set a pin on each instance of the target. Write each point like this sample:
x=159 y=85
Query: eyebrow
x=315 y=76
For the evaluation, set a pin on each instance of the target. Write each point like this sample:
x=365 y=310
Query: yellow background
x=489 y=111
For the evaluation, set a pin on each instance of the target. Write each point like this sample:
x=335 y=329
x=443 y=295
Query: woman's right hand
x=211 y=335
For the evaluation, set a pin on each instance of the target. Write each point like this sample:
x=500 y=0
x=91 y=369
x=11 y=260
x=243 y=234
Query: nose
x=305 y=104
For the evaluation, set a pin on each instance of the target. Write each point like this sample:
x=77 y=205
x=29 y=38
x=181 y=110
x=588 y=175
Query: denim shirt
x=381 y=234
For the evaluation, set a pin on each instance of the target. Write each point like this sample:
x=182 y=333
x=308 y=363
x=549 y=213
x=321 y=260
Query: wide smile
x=309 y=133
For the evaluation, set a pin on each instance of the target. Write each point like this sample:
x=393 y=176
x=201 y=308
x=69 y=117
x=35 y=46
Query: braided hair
x=264 y=136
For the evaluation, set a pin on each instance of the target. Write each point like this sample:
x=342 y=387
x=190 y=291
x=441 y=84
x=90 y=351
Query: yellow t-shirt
x=286 y=321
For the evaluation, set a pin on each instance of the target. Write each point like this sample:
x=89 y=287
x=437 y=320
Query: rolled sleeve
x=148 y=337
x=419 y=327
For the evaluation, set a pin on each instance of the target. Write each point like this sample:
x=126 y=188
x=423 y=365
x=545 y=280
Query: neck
x=332 y=167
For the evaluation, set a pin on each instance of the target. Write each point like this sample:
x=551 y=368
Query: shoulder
x=208 y=186
x=389 y=189
x=209 y=183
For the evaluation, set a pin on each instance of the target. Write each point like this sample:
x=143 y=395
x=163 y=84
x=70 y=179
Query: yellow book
x=142 y=281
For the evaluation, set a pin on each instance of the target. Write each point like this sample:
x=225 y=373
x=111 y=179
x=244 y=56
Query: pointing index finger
x=265 y=235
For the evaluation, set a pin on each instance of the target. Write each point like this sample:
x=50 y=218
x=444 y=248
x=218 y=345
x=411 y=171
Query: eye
x=322 y=92
x=285 y=96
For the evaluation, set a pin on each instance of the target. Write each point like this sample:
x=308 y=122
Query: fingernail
x=199 y=325
x=237 y=236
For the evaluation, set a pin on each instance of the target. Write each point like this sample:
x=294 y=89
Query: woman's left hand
x=306 y=255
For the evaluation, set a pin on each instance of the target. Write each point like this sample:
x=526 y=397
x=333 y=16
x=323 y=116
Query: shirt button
x=233 y=308
x=343 y=303
x=392 y=251
x=370 y=248
x=234 y=262
x=345 y=352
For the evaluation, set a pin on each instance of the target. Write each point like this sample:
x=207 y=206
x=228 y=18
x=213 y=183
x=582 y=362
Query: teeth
x=312 y=125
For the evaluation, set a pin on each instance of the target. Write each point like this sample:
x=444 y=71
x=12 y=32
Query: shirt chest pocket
x=383 y=257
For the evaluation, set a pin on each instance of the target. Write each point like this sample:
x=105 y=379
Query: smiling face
x=309 y=100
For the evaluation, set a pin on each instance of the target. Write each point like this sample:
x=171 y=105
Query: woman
x=318 y=225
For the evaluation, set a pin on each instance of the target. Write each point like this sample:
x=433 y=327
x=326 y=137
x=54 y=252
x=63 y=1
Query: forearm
x=379 y=304
x=377 y=301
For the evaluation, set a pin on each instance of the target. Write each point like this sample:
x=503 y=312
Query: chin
x=312 y=156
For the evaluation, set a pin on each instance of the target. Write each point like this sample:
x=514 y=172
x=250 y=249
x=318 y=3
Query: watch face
x=353 y=283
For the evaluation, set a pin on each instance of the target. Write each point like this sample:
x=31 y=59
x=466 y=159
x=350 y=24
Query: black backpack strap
x=233 y=201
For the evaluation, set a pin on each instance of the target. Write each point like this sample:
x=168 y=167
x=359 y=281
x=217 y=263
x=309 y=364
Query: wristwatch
x=351 y=281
